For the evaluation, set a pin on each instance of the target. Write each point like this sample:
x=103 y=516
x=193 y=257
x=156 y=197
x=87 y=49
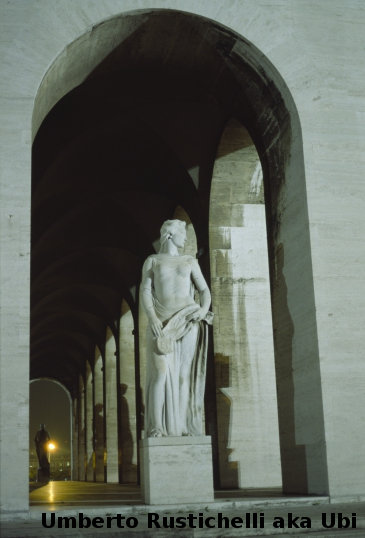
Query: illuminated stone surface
x=316 y=55
x=177 y=470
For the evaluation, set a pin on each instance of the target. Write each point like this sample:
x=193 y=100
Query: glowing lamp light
x=51 y=446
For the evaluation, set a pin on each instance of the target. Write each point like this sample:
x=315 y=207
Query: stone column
x=15 y=200
x=89 y=420
x=111 y=415
x=248 y=434
x=74 y=441
x=99 y=441
x=142 y=328
x=81 y=430
x=128 y=418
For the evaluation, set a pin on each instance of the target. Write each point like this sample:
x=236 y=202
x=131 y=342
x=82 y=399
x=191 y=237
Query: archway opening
x=133 y=134
x=50 y=404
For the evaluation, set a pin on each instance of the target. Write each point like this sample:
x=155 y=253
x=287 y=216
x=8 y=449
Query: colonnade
x=110 y=400
x=104 y=410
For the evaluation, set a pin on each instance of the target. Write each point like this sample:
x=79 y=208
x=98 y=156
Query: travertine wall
x=317 y=47
x=243 y=339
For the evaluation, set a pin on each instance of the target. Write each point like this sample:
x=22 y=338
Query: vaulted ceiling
x=111 y=161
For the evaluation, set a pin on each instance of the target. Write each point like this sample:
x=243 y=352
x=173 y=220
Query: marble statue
x=177 y=336
x=41 y=441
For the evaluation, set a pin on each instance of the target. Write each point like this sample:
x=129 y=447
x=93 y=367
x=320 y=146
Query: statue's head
x=172 y=230
x=42 y=426
x=123 y=388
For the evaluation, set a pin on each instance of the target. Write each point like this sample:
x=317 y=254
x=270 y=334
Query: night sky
x=50 y=405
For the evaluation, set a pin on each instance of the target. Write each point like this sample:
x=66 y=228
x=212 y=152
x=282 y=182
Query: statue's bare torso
x=172 y=278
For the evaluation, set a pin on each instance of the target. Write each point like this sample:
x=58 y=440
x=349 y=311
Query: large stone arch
x=73 y=442
x=250 y=89
x=282 y=43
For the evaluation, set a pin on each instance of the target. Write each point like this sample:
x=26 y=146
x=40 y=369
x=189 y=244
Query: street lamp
x=51 y=446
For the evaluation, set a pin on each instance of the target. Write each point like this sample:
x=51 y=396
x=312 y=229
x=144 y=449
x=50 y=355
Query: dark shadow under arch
x=184 y=76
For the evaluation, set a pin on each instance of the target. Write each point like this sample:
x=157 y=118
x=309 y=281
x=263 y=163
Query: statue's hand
x=198 y=315
x=156 y=326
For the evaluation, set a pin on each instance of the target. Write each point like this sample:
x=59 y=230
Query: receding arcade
x=190 y=122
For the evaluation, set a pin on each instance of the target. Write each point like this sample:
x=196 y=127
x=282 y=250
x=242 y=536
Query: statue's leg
x=187 y=350
x=156 y=400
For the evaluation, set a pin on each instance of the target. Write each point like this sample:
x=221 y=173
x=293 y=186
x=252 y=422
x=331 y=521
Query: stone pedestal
x=43 y=476
x=176 y=470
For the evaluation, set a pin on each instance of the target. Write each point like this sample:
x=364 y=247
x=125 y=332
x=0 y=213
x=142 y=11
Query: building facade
x=117 y=115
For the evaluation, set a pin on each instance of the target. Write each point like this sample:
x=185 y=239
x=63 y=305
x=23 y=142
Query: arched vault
x=132 y=135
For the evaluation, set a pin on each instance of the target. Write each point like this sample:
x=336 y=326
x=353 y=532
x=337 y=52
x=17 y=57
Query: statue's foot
x=155 y=433
x=187 y=434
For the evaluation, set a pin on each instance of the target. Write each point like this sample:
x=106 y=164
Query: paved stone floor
x=56 y=495
x=89 y=509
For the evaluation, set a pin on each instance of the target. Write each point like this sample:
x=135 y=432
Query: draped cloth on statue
x=180 y=353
